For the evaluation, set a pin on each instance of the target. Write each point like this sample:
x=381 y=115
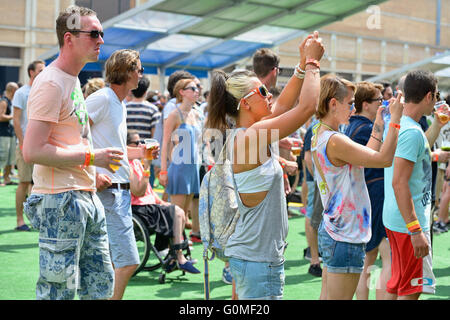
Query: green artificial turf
x=19 y=266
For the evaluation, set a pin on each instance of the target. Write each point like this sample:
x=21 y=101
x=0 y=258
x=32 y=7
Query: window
x=106 y=9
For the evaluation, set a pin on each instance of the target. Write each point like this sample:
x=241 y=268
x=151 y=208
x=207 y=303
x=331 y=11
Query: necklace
x=327 y=126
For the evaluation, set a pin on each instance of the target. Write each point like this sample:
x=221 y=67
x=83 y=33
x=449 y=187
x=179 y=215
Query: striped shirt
x=142 y=117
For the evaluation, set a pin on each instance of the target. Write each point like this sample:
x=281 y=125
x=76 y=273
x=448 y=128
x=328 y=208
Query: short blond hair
x=332 y=86
x=93 y=85
x=119 y=64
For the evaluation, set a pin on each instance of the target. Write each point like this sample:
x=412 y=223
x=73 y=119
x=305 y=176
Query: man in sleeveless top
x=7 y=138
x=20 y=121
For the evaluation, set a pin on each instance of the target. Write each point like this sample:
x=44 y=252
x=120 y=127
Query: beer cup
x=150 y=145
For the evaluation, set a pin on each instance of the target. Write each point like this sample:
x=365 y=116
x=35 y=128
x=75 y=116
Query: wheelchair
x=150 y=258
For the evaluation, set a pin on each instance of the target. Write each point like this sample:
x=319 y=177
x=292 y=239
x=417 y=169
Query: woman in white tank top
x=338 y=170
x=256 y=247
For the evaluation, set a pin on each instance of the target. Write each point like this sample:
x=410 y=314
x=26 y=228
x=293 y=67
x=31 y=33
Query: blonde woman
x=339 y=171
x=257 y=246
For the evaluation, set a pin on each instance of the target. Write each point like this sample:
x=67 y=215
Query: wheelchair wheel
x=142 y=242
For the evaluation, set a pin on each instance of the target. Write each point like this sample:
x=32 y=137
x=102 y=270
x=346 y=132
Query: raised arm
x=341 y=149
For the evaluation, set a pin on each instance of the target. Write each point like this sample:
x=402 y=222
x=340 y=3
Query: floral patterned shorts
x=73 y=245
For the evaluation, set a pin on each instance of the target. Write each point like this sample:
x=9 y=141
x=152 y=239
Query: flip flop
x=11 y=183
x=23 y=227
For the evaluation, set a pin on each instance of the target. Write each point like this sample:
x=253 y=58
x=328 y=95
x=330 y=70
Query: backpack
x=218 y=207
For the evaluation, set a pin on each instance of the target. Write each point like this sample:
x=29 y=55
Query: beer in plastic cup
x=150 y=145
x=442 y=110
x=113 y=166
x=296 y=150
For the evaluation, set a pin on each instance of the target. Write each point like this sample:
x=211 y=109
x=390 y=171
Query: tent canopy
x=201 y=35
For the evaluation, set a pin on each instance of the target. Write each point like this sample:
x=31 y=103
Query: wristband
x=435 y=157
x=394 y=125
x=313 y=62
x=91 y=161
x=414 y=226
x=146 y=173
x=162 y=173
x=87 y=158
x=299 y=73
x=414 y=233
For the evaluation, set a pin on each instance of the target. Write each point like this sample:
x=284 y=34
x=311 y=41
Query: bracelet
x=298 y=72
x=413 y=226
x=435 y=157
x=282 y=162
x=376 y=138
x=87 y=159
x=162 y=173
x=416 y=232
x=394 y=125
x=313 y=62
x=91 y=161
x=146 y=173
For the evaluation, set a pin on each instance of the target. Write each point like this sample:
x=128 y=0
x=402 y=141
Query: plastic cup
x=113 y=166
x=442 y=110
x=150 y=145
x=296 y=150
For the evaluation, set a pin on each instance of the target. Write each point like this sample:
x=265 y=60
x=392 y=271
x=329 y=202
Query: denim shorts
x=258 y=280
x=340 y=257
x=119 y=223
x=309 y=209
x=73 y=246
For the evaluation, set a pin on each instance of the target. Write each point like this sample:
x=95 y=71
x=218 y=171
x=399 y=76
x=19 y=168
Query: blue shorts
x=119 y=223
x=258 y=280
x=340 y=257
x=73 y=246
x=310 y=208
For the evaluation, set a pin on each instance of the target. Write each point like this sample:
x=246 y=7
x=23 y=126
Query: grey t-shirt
x=261 y=231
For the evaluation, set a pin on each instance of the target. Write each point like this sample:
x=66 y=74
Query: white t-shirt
x=109 y=128
x=20 y=101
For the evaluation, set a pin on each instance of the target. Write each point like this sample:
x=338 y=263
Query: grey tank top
x=261 y=231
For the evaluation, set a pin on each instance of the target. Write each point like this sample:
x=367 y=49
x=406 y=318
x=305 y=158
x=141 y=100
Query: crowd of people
x=372 y=170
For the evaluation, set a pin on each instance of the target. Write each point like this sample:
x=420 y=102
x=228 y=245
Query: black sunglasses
x=191 y=88
x=94 y=34
x=380 y=100
x=141 y=70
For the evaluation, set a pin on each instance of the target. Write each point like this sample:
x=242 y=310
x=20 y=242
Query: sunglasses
x=380 y=100
x=191 y=88
x=94 y=34
x=351 y=106
x=262 y=91
x=141 y=70
x=137 y=142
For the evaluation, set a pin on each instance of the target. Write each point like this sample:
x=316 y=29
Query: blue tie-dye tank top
x=346 y=202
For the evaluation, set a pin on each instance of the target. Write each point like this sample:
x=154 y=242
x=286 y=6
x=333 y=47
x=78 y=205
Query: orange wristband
x=394 y=125
x=146 y=173
x=435 y=157
x=87 y=158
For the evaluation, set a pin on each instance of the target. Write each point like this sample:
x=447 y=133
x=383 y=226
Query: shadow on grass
x=175 y=284
x=11 y=248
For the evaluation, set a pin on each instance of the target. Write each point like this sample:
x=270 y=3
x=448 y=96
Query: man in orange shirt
x=73 y=241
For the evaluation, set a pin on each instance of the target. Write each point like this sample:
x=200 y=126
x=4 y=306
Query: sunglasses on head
x=94 y=34
x=262 y=91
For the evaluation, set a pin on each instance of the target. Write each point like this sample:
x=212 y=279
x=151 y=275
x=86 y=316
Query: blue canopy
x=201 y=35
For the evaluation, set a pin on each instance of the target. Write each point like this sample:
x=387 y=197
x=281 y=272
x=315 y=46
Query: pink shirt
x=149 y=197
x=56 y=97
